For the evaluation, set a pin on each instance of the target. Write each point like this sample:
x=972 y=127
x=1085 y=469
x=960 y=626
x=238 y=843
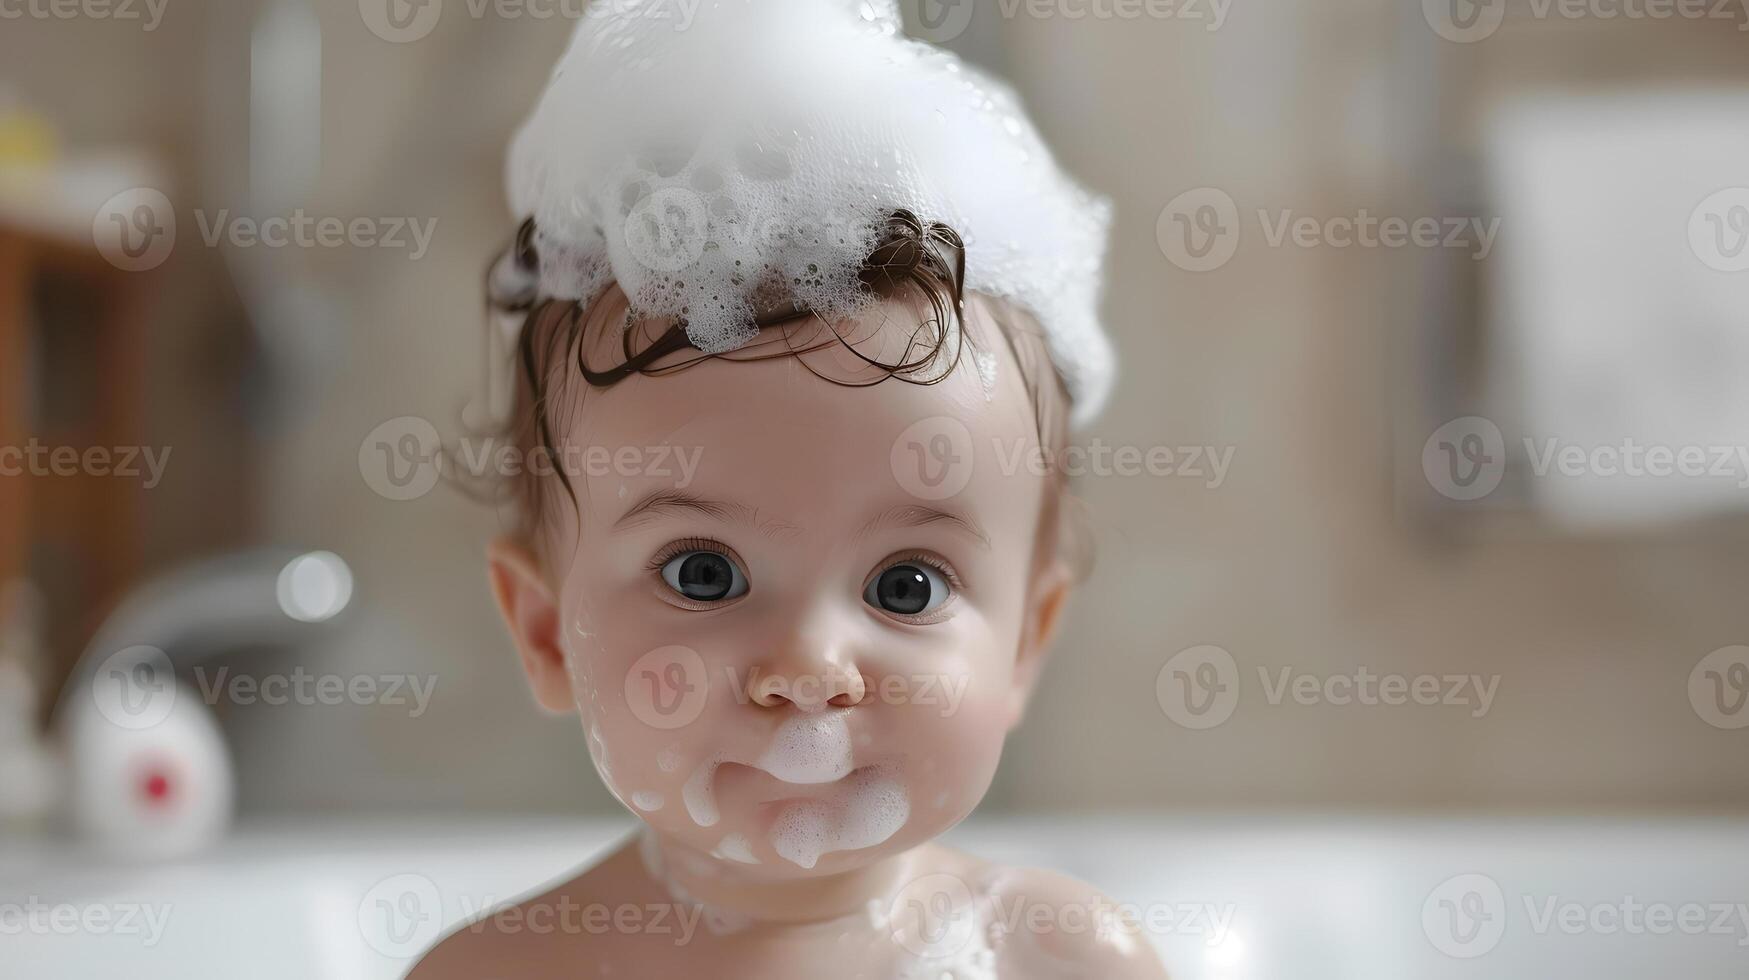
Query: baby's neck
x=740 y=894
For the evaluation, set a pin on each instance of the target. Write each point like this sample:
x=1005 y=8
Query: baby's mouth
x=758 y=787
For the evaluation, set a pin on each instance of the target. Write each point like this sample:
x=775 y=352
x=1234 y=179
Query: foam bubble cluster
x=869 y=810
x=809 y=749
x=703 y=164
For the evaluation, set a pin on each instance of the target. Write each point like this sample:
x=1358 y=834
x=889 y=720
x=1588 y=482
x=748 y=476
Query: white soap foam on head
x=809 y=749
x=871 y=808
x=765 y=145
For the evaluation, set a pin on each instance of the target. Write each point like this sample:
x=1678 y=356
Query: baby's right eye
x=704 y=576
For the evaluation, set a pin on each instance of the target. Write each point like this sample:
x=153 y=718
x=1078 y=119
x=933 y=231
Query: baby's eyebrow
x=659 y=502
x=918 y=515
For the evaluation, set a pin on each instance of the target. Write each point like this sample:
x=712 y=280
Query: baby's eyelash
x=675 y=549
x=924 y=558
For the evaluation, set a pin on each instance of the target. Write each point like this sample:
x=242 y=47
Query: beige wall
x=1295 y=359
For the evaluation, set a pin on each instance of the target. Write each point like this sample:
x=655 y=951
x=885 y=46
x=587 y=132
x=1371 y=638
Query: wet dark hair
x=911 y=259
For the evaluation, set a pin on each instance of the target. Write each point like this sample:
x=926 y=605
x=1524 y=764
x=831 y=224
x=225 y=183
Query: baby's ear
x=1044 y=613
x=531 y=613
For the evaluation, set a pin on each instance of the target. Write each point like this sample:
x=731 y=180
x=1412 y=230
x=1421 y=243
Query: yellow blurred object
x=26 y=140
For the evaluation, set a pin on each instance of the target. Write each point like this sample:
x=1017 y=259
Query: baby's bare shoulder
x=544 y=935
x=1045 y=918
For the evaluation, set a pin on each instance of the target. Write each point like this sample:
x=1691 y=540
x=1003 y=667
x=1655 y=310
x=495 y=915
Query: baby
x=801 y=555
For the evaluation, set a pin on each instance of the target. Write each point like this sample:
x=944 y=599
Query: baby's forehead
x=786 y=426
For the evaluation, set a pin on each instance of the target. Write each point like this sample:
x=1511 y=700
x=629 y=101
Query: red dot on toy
x=155 y=787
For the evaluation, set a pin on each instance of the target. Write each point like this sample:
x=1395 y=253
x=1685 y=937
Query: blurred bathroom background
x=1450 y=298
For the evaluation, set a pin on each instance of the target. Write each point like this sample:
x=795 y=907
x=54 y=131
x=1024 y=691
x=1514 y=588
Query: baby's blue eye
x=704 y=576
x=909 y=589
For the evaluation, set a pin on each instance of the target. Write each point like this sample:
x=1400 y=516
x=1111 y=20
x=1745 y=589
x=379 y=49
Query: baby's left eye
x=908 y=588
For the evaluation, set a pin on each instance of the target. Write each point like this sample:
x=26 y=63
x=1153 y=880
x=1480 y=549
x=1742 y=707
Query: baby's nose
x=809 y=689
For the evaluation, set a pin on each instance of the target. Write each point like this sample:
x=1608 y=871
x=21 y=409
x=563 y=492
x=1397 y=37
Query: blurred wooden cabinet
x=71 y=377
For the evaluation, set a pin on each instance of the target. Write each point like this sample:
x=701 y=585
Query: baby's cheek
x=649 y=726
x=954 y=738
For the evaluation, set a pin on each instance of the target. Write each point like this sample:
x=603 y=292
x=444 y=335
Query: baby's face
x=799 y=620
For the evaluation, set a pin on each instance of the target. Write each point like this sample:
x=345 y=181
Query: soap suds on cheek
x=735 y=847
x=700 y=793
x=866 y=812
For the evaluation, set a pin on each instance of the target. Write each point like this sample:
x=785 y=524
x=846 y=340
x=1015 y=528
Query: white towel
x=1619 y=302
